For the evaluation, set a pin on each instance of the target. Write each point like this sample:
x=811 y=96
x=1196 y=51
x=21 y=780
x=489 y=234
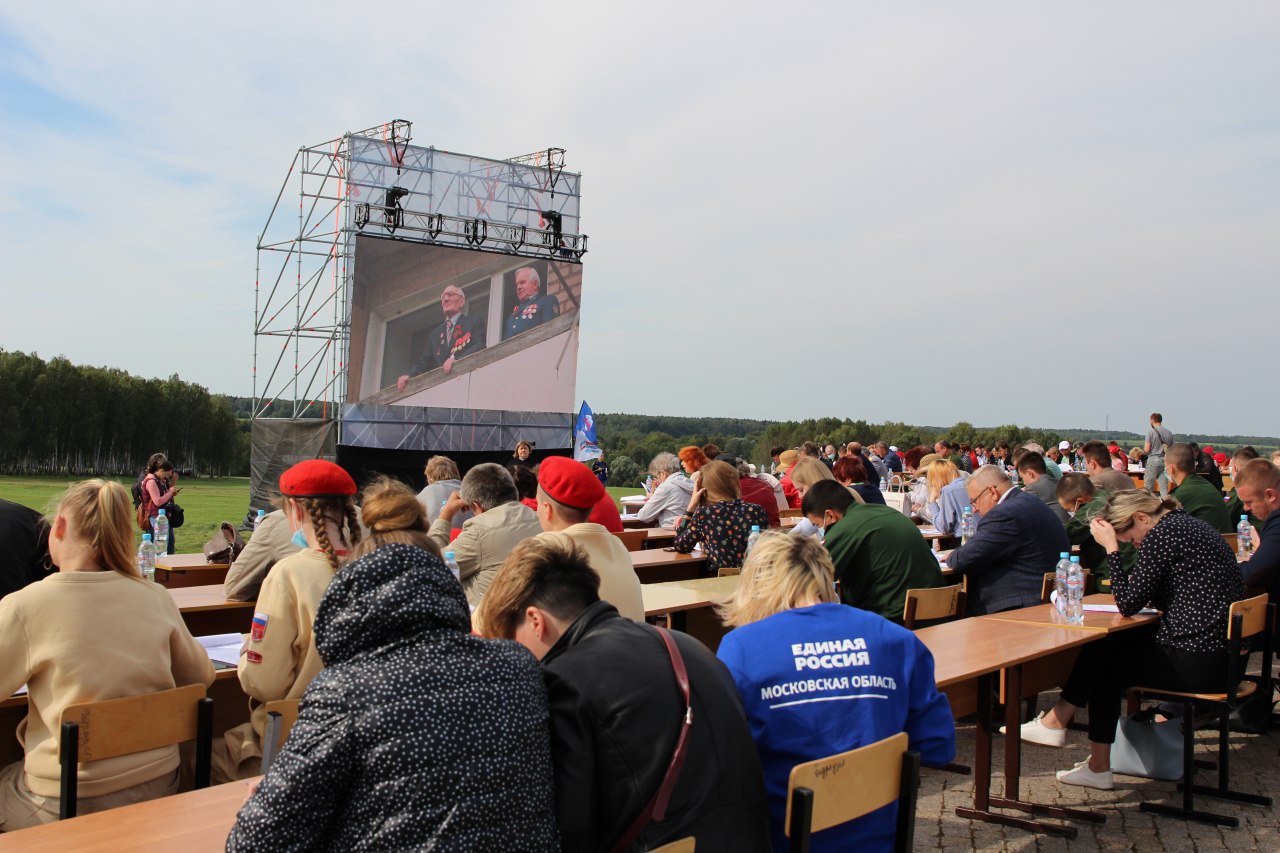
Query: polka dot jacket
x=1185 y=569
x=722 y=528
x=417 y=735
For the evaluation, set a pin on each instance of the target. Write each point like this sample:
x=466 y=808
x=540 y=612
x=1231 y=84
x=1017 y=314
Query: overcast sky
x=1045 y=214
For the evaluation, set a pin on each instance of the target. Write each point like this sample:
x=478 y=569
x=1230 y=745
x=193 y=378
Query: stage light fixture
x=362 y=215
x=393 y=213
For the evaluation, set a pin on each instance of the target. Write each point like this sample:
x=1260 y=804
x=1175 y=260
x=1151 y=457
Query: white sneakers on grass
x=1083 y=776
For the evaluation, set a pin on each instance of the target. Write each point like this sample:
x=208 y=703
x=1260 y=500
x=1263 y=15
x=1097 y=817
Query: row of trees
x=60 y=418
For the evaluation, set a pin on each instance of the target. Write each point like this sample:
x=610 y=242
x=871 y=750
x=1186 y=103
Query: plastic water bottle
x=1060 y=582
x=1075 y=593
x=257 y=522
x=451 y=563
x=1244 y=537
x=161 y=527
x=648 y=485
x=147 y=558
x=966 y=525
x=752 y=538
x=884 y=484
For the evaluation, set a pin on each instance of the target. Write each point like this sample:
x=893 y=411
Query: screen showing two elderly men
x=439 y=326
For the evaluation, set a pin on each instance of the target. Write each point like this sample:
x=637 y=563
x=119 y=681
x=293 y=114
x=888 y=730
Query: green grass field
x=208 y=503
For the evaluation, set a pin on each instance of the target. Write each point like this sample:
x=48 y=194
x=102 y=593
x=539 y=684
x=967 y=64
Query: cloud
x=989 y=212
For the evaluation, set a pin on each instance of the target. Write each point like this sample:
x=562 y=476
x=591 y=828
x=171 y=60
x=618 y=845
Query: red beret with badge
x=316 y=478
x=570 y=483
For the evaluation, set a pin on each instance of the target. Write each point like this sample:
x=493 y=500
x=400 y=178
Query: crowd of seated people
x=536 y=665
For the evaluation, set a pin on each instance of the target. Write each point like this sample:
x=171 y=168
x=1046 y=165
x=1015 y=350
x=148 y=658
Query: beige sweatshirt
x=87 y=636
x=619 y=584
x=485 y=541
x=283 y=661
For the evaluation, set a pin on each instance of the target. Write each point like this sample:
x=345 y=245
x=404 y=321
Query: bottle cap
x=1075 y=559
x=968 y=509
x=161 y=512
x=261 y=513
x=449 y=555
x=146 y=537
x=1062 y=555
x=755 y=528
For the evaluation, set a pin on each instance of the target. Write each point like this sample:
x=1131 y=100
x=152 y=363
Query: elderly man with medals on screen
x=531 y=308
x=458 y=336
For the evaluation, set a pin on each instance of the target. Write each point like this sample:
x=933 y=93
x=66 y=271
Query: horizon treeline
x=61 y=418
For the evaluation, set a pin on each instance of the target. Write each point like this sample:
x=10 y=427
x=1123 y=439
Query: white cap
x=1064 y=445
x=894 y=449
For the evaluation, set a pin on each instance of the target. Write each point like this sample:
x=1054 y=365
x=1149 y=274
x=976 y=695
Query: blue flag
x=585 y=446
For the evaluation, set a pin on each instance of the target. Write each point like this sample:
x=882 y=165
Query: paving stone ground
x=1255 y=768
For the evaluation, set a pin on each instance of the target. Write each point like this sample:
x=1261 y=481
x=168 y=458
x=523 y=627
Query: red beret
x=316 y=478
x=569 y=482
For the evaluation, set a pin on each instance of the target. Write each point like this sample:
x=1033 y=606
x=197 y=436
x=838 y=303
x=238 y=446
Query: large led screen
x=441 y=327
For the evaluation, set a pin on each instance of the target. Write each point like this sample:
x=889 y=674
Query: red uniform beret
x=569 y=482
x=316 y=478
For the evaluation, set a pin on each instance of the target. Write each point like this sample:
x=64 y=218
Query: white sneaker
x=1037 y=732
x=1082 y=775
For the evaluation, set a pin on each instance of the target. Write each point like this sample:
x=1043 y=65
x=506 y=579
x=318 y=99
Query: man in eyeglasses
x=1018 y=539
x=459 y=335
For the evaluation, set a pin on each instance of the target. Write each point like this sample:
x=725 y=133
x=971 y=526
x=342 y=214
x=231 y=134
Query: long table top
x=968 y=648
x=193 y=822
x=192 y=599
x=676 y=596
x=1047 y=615
x=188 y=562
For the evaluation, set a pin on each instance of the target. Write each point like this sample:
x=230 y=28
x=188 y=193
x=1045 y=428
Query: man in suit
x=458 y=336
x=1017 y=541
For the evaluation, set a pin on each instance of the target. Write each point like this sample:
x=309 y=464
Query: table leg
x=679 y=620
x=982 y=799
x=1013 y=761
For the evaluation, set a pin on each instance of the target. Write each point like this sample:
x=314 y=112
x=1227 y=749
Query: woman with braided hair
x=280 y=658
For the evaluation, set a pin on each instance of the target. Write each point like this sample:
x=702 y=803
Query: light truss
x=374 y=180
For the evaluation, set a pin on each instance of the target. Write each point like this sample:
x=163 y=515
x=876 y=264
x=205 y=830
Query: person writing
x=718 y=518
x=93 y=630
x=1186 y=570
x=280 y=658
x=416 y=735
x=785 y=602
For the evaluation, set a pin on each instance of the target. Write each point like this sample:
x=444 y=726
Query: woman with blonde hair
x=718 y=518
x=1186 y=570
x=403 y=675
x=93 y=630
x=280 y=657
x=800 y=660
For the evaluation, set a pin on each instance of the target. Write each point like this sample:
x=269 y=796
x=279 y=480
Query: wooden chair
x=928 y=604
x=1248 y=619
x=1050 y=578
x=831 y=791
x=684 y=845
x=1233 y=539
x=790 y=512
x=93 y=731
x=281 y=715
x=728 y=571
x=633 y=539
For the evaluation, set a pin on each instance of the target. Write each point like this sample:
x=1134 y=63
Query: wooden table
x=967 y=655
x=179 y=570
x=658 y=565
x=206 y=610
x=688 y=606
x=1107 y=623
x=659 y=537
x=193 y=822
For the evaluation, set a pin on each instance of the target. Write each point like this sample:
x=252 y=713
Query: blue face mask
x=300 y=539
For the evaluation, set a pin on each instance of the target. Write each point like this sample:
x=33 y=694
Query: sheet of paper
x=21 y=691
x=1111 y=608
x=223 y=648
x=629 y=516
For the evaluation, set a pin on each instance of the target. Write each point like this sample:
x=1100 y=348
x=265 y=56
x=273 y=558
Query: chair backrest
x=847 y=786
x=633 y=539
x=728 y=571
x=92 y=731
x=1253 y=621
x=684 y=845
x=1233 y=540
x=1050 y=578
x=288 y=711
x=925 y=604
